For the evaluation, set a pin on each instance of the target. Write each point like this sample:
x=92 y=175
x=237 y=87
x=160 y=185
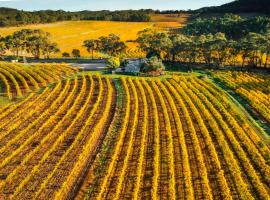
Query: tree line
x=110 y=46
x=12 y=17
x=35 y=42
x=233 y=26
x=216 y=41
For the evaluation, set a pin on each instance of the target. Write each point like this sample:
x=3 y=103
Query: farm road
x=90 y=66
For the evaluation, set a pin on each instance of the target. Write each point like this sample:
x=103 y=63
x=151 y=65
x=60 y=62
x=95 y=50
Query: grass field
x=90 y=136
x=180 y=18
x=71 y=34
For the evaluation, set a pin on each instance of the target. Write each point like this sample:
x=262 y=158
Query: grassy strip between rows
x=109 y=141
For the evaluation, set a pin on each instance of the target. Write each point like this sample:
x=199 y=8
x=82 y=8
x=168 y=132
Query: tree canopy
x=11 y=17
x=215 y=41
x=233 y=26
x=33 y=41
x=111 y=45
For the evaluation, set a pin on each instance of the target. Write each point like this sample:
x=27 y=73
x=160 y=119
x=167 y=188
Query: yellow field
x=71 y=34
x=180 y=18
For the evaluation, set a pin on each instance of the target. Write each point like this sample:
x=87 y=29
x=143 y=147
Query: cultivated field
x=102 y=137
x=71 y=34
x=255 y=88
x=17 y=80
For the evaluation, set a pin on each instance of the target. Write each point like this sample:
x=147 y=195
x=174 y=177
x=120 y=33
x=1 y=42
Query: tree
x=267 y=48
x=76 y=53
x=37 y=40
x=113 y=62
x=21 y=18
x=2 y=46
x=91 y=46
x=154 y=43
x=221 y=49
x=205 y=47
x=180 y=45
x=65 y=55
x=111 y=45
x=50 y=48
x=13 y=44
x=153 y=65
x=235 y=50
x=264 y=43
x=250 y=47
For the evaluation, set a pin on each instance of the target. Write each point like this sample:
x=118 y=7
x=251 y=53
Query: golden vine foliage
x=107 y=138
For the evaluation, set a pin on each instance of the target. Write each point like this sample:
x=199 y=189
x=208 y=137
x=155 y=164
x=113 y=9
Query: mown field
x=91 y=136
x=71 y=34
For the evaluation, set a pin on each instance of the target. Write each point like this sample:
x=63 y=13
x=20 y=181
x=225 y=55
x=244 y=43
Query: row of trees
x=11 y=17
x=35 y=42
x=212 y=49
x=111 y=45
x=199 y=42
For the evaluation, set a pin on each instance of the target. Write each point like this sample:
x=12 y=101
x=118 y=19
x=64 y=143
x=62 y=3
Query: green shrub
x=76 y=53
x=152 y=65
x=113 y=62
x=65 y=55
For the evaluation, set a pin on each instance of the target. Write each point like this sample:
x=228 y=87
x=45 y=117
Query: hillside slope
x=240 y=6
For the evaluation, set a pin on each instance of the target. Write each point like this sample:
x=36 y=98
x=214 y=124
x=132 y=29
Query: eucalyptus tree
x=235 y=49
x=36 y=42
x=180 y=47
x=50 y=48
x=76 y=53
x=17 y=42
x=205 y=47
x=22 y=39
x=111 y=45
x=221 y=49
x=91 y=46
x=155 y=43
x=13 y=44
x=251 y=48
x=265 y=48
x=2 y=45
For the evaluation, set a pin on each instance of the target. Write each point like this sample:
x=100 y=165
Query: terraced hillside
x=98 y=137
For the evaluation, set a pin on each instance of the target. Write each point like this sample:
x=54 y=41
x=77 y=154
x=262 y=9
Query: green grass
x=4 y=101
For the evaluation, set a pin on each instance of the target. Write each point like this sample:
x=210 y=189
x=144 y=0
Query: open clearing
x=102 y=137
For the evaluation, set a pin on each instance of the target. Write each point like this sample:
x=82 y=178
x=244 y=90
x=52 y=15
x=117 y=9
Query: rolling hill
x=240 y=6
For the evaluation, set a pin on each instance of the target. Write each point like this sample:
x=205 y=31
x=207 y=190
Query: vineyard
x=17 y=80
x=100 y=137
x=252 y=87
